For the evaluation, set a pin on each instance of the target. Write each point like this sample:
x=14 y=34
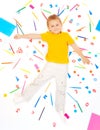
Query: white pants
x=50 y=70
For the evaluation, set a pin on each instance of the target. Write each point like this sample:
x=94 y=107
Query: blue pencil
x=51 y=99
x=37 y=101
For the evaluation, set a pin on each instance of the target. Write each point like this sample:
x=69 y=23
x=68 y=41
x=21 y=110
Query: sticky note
x=98 y=26
x=6 y=27
x=94 y=123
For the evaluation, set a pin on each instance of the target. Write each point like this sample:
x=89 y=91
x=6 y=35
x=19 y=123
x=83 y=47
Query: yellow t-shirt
x=57 y=46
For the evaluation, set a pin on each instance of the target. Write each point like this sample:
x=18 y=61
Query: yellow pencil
x=9 y=52
x=65 y=19
x=38 y=50
x=47 y=87
x=27 y=71
x=28 y=3
x=35 y=15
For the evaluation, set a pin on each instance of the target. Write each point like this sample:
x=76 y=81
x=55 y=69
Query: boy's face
x=55 y=26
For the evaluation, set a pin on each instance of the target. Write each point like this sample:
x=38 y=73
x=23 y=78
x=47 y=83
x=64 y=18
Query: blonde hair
x=53 y=17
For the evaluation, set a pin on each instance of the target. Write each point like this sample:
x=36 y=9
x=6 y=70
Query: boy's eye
x=57 y=24
x=52 y=26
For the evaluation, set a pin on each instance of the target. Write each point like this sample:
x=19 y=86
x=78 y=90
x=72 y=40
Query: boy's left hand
x=85 y=60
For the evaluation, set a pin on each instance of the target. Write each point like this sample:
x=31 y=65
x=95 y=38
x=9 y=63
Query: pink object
x=31 y=6
x=36 y=66
x=66 y=115
x=54 y=124
x=94 y=123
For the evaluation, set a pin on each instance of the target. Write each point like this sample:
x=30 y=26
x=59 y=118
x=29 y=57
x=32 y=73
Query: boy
x=57 y=61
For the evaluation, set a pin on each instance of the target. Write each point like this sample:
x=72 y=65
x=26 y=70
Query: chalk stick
x=98 y=26
x=6 y=27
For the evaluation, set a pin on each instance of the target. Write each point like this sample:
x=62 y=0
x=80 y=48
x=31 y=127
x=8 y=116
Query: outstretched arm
x=79 y=52
x=28 y=36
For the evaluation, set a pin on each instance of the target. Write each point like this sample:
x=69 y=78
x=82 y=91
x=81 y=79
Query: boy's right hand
x=17 y=36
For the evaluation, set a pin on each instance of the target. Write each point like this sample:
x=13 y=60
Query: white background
x=87 y=77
